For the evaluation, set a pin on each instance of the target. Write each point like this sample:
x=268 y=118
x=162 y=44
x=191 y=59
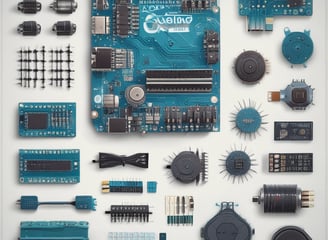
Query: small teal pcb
x=49 y=166
x=155 y=66
x=260 y=13
x=47 y=119
x=42 y=230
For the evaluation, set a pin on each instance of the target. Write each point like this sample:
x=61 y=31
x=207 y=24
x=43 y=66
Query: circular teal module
x=297 y=47
x=238 y=163
x=248 y=120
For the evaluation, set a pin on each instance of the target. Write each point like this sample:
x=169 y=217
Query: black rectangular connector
x=293 y=131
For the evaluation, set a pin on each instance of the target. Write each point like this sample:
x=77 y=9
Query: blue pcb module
x=260 y=13
x=155 y=66
x=47 y=119
x=49 y=166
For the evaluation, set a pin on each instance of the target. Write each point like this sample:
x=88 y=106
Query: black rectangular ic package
x=290 y=162
x=293 y=131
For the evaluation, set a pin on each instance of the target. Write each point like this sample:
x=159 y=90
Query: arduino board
x=49 y=166
x=155 y=66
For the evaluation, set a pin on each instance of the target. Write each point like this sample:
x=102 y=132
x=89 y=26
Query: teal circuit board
x=49 y=166
x=33 y=230
x=260 y=13
x=155 y=66
x=47 y=119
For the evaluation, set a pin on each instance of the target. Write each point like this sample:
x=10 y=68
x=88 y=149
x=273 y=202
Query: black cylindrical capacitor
x=284 y=198
x=64 y=28
x=280 y=198
x=29 y=28
x=29 y=6
x=64 y=6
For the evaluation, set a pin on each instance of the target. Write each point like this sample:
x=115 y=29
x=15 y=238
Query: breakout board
x=49 y=166
x=47 y=119
x=155 y=66
x=260 y=13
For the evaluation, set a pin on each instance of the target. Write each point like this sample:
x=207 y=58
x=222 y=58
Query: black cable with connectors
x=107 y=160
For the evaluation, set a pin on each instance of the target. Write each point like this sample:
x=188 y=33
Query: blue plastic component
x=151 y=187
x=47 y=119
x=41 y=230
x=260 y=13
x=49 y=166
x=297 y=47
x=248 y=120
x=162 y=236
x=159 y=71
x=29 y=202
x=122 y=186
x=297 y=95
x=85 y=203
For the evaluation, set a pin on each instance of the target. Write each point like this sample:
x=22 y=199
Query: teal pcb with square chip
x=155 y=66
x=47 y=119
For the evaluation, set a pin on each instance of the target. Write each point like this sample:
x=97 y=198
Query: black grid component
x=31 y=67
x=61 y=67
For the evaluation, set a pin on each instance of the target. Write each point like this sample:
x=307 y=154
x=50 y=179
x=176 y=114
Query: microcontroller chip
x=45 y=165
x=37 y=120
x=117 y=125
x=102 y=58
x=299 y=95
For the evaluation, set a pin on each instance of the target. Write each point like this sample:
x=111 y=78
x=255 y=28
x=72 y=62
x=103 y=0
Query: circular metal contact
x=135 y=95
x=94 y=114
x=250 y=67
x=291 y=232
x=186 y=167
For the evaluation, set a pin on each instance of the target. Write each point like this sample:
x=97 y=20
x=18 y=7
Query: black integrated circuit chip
x=36 y=120
x=117 y=125
x=45 y=165
x=290 y=162
x=296 y=3
x=293 y=131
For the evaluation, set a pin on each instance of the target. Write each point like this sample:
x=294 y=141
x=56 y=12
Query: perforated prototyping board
x=155 y=67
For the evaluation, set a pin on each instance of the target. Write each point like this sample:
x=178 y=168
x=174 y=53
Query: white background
x=234 y=39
